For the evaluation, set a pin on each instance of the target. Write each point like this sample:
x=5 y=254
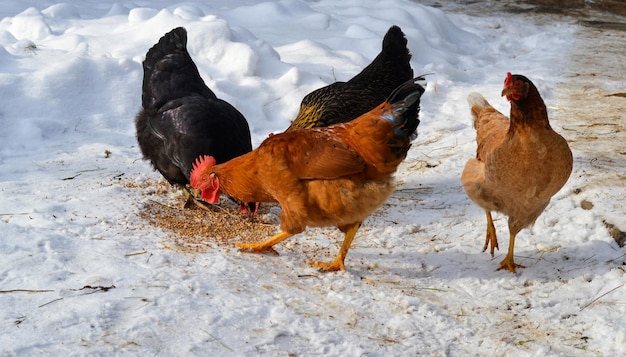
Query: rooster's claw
x=256 y=248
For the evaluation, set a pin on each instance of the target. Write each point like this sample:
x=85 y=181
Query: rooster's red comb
x=201 y=164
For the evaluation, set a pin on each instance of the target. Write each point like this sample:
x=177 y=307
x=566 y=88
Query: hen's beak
x=515 y=93
x=511 y=94
x=507 y=92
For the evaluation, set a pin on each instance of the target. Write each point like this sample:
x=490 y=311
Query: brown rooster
x=332 y=176
x=340 y=102
x=520 y=162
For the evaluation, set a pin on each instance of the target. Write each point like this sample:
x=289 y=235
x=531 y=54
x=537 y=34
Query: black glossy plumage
x=344 y=101
x=181 y=118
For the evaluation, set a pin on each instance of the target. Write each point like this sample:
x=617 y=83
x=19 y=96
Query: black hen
x=340 y=102
x=181 y=118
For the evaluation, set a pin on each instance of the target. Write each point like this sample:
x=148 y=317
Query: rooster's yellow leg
x=508 y=262
x=491 y=235
x=266 y=245
x=337 y=264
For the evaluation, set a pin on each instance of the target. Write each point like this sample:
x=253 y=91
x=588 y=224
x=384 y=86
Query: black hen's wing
x=341 y=102
x=181 y=117
x=322 y=107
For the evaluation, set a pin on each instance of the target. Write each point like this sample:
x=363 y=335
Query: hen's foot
x=266 y=245
x=337 y=264
x=509 y=264
x=256 y=248
x=334 y=266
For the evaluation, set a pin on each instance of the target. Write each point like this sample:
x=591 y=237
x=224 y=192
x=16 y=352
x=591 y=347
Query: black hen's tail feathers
x=170 y=73
x=395 y=43
x=175 y=40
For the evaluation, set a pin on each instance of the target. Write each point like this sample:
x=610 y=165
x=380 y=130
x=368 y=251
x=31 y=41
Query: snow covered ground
x=81 y=273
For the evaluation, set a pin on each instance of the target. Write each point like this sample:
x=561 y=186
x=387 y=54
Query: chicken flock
x=334 y=165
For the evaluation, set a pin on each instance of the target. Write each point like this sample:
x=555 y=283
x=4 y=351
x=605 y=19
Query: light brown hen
x=520 y=162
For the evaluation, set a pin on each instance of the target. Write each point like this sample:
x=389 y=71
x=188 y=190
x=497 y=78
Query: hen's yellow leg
x=508 y=262
x=266 y=245
x=338 y=264
x=491 y=234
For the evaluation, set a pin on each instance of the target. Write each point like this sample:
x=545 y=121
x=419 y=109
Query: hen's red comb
x=509 y=78
x=201 y=164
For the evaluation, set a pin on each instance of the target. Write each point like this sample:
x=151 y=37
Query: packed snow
x=82 y=274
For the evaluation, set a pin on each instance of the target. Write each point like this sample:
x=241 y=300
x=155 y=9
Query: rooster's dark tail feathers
x=406 y=105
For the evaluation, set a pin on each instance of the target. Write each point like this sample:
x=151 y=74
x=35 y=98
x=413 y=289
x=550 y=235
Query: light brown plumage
x=520 y=162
